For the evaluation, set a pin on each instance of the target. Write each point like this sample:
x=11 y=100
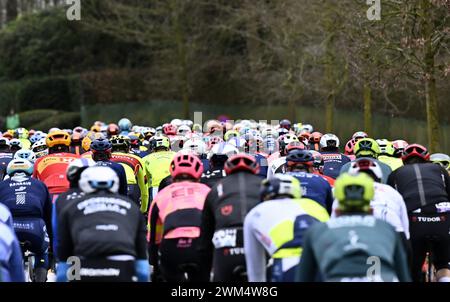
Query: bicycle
x=28 y=261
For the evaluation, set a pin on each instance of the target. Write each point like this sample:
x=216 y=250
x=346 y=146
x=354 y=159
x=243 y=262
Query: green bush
x=67 y=120
x=32 y=117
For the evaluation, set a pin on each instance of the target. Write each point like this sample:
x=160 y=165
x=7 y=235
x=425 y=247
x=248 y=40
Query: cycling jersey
x=225 y=209
x=422 y=185
x=393 y=162
x=385 y=169
x=387 y=205
x=263 y=164
x=333 y=163
x=346 y=247
x=157 y=165
x=135 y=173
x=210 y=178
x=315 y=187
x=26 y=144
x=51 y=169
x=276 y=166
x=77 y=149
x=11 y=263
x=5 y=216
x=100 y=225
x=330 y=180
x=277 y=227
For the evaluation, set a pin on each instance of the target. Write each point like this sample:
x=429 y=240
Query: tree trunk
x=367 y=108
x=11 y=10
x=430 y=79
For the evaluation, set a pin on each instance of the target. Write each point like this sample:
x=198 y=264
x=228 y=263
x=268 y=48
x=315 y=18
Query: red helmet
x=170 y=129
x=349 y=147
x=112 y=130
x=304 y=136
x=315 y=137
x=416 y=150
x=186 y=164
x=295 y=146
x=241 y=162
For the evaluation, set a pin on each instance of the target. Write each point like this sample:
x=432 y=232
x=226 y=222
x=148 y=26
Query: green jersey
x=353 y=248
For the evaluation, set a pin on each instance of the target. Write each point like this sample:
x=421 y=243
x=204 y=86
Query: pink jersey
x=179 y=207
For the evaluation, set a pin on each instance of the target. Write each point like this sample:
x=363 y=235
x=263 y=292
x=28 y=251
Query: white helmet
x=238 y=142
x=269 y=132
x=99 y=178
x=196 y=145
x=176 y=122
x=25 y=154
x=367 y=165
x=40 y=148
x=223 y=149
x=329 y=140
x=183 y=130
x=77 y=166
x=307 y=127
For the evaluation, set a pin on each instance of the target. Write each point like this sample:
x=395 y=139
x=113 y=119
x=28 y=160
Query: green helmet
x=386 y=147
x=367 y=147
x=280 y=185
x=354 y=192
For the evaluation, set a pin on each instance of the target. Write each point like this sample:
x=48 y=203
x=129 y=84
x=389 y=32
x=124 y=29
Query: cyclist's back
x=11 y=266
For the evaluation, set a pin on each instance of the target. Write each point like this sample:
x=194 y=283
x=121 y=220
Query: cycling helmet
x=197 y=128
x=307 y=128
x=183 y=130
x=77 y=167
x=359 y=135
x=366 y=147
x=196 y=145
x=241 y=162
x=4 y=141
x=149 y=133
x=230 y=134
x=120 y=142
x=399 y=146
x=315 y=138
x=112 y=130
x=21 y=133
x=160 y=142
x=349 y=147
x=25 y=154
x=285 y=140
x=386 y=147
x=441 y=159
x=15 y=144
x=238 y=142
x=329 y=140
x=176 y=122
x=170 y=129
x=366 y=165
x=223 y=149
x=300 y=158
x=20 y=165
x=186 y=165
x=125 y=125
x=282 y=131
x=98 y=178
x=294 y=146
x=188 y=123
x=318 y=162
x=101 y=145
x=415 y=151
x=37 y=137
x=213 y=140
x=58 y=138
x=354 y=192
x=40 y=148
x=280 y=186
x=286 y=124
x=7 y=135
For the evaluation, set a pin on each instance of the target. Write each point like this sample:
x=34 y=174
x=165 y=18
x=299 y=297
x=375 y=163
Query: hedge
x=67 y=120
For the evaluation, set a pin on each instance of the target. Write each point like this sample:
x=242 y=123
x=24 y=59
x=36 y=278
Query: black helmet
x=286 y=124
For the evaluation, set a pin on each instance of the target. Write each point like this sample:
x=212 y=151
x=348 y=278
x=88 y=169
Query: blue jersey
x=11 y=267
x=263 y=164
x=315 y=187
x=120 y=171
x=333 y=163
x=26 y=197
x=206 y=165
x=5 y=216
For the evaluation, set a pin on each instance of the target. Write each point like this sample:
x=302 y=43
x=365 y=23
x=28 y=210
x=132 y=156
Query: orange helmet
x=57 y=138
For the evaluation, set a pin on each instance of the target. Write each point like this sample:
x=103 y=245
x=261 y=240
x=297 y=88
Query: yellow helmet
x=354 y=192
x=57 y=138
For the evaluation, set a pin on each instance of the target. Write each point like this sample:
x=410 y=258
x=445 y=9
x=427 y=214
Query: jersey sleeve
x=254 y=252
x=143 y=188
x=308 y=268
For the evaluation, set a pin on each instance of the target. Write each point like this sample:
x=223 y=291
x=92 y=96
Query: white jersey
x=276 y=166
x=387 y=205
x=268 y=226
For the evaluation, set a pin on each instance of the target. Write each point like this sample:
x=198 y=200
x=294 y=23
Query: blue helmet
x=25 y=154
x=125 y=124
x=20 y=165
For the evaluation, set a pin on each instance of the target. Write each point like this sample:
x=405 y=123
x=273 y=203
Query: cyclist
x=283 y=141
x=387 y=204
x=22 y=134
x=178 y=208
x=387 y=152
x=78 y=135
x=101 y=153
x=134 y=170
x=218 y=156
x=125 y=126
x=333 y=159
x=368 y=148
x=344 y=248
x=300 y=164
x=157 y=163
x=29 y=201
x=105 y=230
x=5 y=156
x=221 y=245
x=279 y=165
x=442 y=160
x=11 y=262
x=425 y=188
x=40 y=148
x=51 y=169
x=318 y=166
x=276 y=226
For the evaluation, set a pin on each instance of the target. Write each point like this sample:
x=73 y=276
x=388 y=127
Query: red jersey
x=51 y=169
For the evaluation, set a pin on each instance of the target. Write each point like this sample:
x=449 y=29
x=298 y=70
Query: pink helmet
x=349 y=147
x=186 y=165
x=170 y=129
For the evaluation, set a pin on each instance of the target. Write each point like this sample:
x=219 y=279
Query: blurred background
x=314 y=61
